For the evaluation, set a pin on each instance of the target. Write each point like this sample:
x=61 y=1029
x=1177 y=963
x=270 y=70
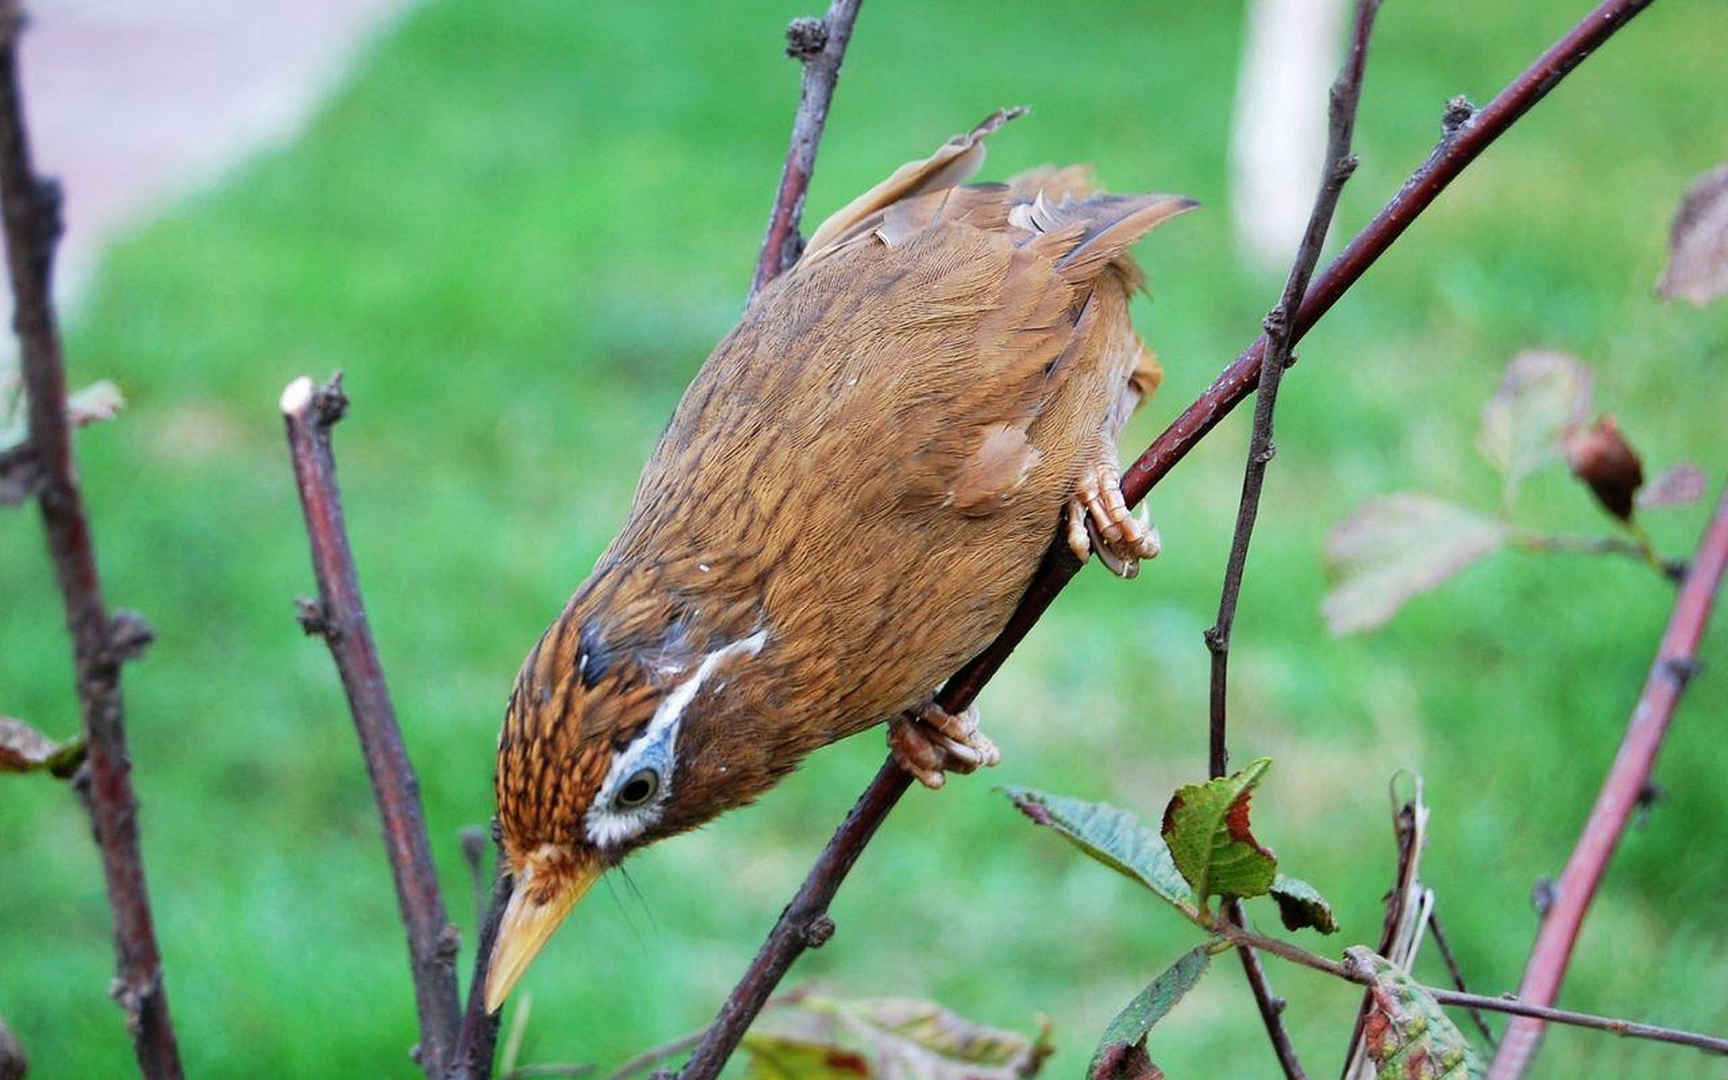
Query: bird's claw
x=1099 y=521
x=929 y=742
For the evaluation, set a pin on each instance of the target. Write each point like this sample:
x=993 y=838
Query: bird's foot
x=1099 y=521
x=929 y=742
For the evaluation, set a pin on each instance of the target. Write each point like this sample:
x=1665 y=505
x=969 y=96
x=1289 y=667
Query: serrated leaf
x=1396 y=547
x=1697 y=268
x=1121 y=1054
x=1300 y=905
x=24 y=749
x=886 y=1039
x=1541 y=396
x=1207 y=829
x=1678 y=485
x=1407 y=1034
x=1114 y=837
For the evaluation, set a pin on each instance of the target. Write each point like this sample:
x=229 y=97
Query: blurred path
x=134 y=102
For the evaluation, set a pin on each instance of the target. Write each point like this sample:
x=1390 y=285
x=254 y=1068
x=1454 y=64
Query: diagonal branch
x=1339 y=164
x=339 y=615
x=1676 y=659
x=805 y=920
x=100 y=642
x=821 y=44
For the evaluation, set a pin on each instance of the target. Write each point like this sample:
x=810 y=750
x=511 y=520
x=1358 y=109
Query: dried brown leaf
x=1602 y=458
x=1396 y=547
x=886 y=1039
x=1697 y=268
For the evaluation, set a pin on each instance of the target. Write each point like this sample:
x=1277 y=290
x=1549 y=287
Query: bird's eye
x=639 y=788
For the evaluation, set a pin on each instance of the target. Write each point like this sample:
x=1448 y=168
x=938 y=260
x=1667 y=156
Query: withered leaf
x=1121 y=1053
x=1396 y=547
x=1541 y=396
x=1681 y=484
x=1407 y=1034
x=1300 y=905
x=886 y=1039
x=1698 y=242
x=1601 y=457
x=1207 y=828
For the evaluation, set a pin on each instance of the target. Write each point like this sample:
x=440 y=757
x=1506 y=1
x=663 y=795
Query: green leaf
x=1396 y=547
x=1206 y=826
x=1114 y=837
x=1122 y=1053
x=1300 y=905
x=891 y=1038
x=1407 y=1034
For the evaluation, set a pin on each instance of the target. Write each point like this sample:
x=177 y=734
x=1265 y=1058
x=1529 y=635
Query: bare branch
x=1457 y=974
x=1622 y=791
x=821 y=45
x=1284 y=950
x=805 y=918
x=479 y=1035
x=309 y=413
x=100 y=644
x=1335 y=170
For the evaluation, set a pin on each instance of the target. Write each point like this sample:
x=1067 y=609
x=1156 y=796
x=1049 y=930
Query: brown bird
x=849 y=501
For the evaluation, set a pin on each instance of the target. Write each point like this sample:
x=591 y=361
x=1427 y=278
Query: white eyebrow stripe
x=672 y=708
x=606 y=826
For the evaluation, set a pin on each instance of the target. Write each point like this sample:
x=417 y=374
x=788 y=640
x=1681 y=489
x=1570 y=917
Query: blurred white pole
x=1290 y=53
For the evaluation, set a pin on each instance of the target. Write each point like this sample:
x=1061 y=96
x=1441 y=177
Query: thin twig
x=100 y=643
x=1672 y=569
x=655 y=1055
x=821 y=45
x=1346 y=95
x=1284 y=950
x=340 y=617
x=1464 y=140
x=1457 y=974
x=479 y=1034
x=1409 y=830
x=1676 y=659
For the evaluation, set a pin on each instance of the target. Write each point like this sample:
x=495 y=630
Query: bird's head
x=609 y=743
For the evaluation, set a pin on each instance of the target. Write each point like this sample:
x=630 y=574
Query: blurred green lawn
x=520 y=227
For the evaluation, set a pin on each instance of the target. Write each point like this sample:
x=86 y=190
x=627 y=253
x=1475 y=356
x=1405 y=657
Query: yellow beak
x=545 y=892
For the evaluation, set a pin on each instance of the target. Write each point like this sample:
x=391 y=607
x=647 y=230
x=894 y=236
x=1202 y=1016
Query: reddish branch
x=1339 y=163
x=100 y=643
x=1621 y=792
x=1467 y=134
x=821 y=45
x=340 y=616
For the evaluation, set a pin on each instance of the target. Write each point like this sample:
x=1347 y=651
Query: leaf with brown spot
x=1697 y=269
x=24 y=749
x=1397 y=547
x=886 y=1038
x=1207 y=829
x=1541 y=396
x=1681 y=484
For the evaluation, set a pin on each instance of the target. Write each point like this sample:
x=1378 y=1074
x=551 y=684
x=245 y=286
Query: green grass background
x=519 y=228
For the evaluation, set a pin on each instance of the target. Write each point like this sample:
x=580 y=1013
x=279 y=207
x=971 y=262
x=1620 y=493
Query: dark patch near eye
x=639 y=788
x=592 y=656
x=622 y=740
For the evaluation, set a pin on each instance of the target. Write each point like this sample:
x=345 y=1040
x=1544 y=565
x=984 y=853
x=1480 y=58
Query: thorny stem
x=1346 y=95
x=1676 y=659
x=100 y=642
x=822 y=47
x=1284 y=950
x=1467 y=134
x=340 y=618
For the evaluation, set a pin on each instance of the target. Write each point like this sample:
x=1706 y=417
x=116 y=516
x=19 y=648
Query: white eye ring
x=642 y=786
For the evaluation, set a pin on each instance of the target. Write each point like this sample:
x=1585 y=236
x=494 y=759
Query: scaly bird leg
x=930 y=742
x=1099 y=521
